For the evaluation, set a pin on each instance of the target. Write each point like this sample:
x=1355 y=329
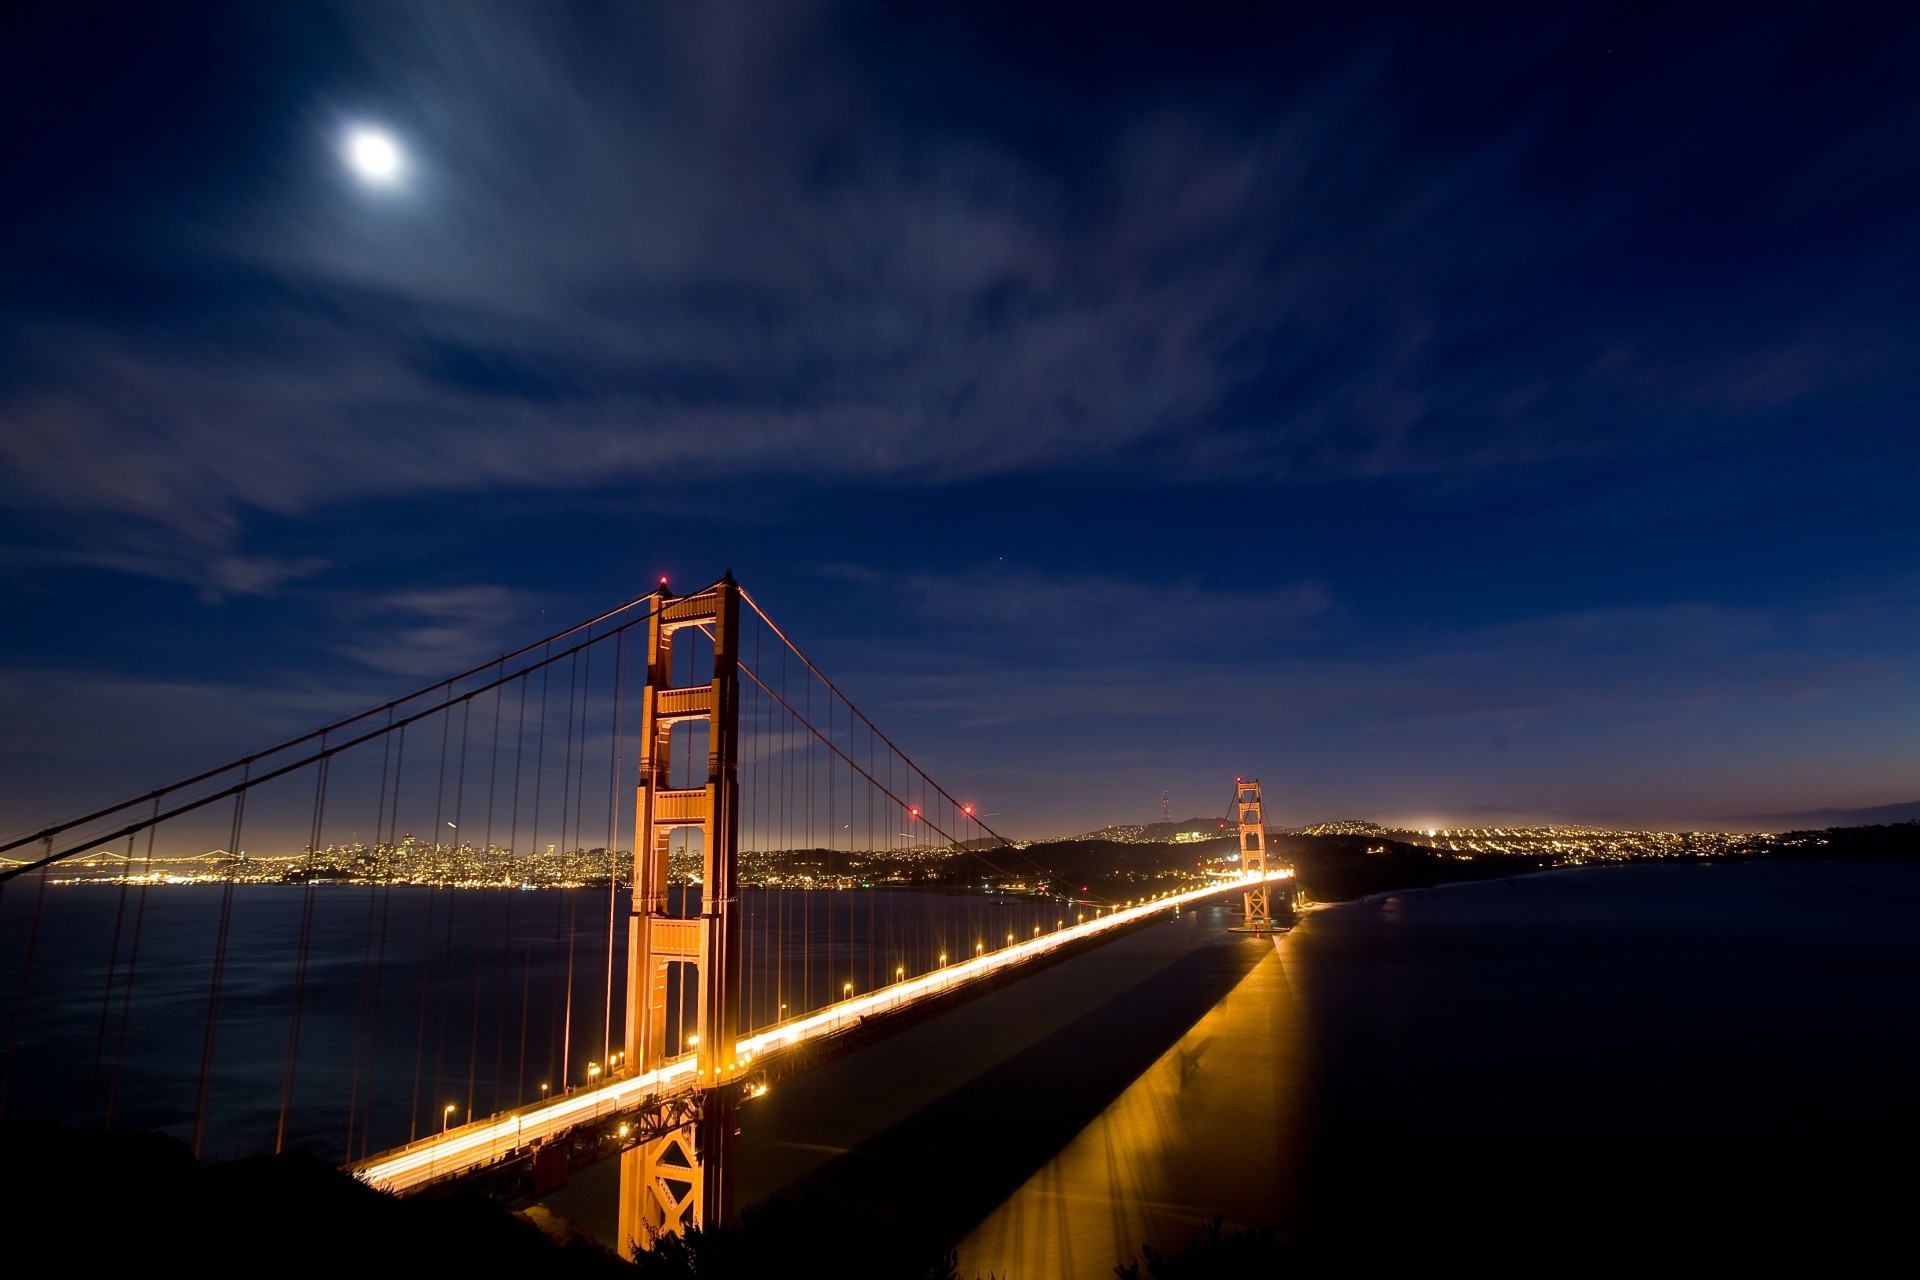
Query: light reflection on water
x=1539 y=1072
x=1210 y=1130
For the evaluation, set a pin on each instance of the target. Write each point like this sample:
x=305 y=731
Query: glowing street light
x=446 y=1117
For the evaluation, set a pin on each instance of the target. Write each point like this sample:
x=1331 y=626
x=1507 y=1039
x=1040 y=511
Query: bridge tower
x=1253 y=857
x=679 y=1178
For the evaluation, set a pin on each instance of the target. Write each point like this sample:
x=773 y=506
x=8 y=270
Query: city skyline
x=1467 y=419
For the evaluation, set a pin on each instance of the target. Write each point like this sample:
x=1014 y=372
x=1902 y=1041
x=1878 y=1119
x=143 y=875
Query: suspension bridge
x=331 y=944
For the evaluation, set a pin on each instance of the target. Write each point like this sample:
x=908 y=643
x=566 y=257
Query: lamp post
x=446 y=1117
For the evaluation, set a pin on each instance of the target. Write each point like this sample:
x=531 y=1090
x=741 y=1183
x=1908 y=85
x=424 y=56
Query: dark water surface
x=410 y=999
x=1655 y=1066
x=1658 y=1066
x=1643 y=1067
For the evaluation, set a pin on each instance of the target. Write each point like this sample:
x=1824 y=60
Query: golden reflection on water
x=1214 y=1129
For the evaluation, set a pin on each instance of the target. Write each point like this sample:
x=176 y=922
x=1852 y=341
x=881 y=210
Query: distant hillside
x=1340 y=868
x=1331 y=868
x=1123 y=868
x=1187 y=830
x=1820 y=819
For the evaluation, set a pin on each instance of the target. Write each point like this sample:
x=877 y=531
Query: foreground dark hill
x=142 y=1200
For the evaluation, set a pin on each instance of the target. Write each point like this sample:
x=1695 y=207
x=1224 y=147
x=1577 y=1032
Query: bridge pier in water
x=679 y=1179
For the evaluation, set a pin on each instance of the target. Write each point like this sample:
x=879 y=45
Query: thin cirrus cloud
x=596 y=280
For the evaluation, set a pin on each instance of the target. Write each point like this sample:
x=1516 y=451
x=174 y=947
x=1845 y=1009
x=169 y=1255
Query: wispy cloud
x=436 y=632
x=713 y=249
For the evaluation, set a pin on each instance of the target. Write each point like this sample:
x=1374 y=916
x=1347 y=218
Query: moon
x=374 y=156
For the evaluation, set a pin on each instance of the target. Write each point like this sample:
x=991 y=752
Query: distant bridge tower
x=679 y=1179
x=1253 y=856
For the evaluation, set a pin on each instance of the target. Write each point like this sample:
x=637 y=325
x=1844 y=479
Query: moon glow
x=374 y=156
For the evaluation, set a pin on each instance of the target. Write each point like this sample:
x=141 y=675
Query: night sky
x=1445 y=414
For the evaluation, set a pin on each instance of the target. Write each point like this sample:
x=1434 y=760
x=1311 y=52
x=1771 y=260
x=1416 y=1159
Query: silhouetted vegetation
x=801 y=1235
x=1896 y=840
x=1342 y=868
x=1111 y=870
x=789 y=1240
x=142 y=1200
x=1213 y=1251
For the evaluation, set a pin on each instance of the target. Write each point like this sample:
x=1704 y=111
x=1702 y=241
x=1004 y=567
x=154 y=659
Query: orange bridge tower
x=679 y=1178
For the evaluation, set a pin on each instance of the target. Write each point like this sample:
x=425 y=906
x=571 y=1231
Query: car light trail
x=484 y=1142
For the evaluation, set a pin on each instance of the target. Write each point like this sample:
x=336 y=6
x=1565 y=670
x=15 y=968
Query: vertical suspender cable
x=17 y=1026
x=426 y=929
x=383 y=894
x=481 y=936
x=302 y=949
x=133 y=970
x=219 y=971
x=444 y=1004
x=106 y=988
x=572 y=896
x=613 y=840
x=372 y=860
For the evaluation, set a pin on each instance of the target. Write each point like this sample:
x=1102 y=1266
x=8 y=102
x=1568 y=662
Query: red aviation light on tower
x=967 y=809
x=914 y=811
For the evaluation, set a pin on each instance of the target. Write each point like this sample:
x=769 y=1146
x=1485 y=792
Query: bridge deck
x=484 y=1143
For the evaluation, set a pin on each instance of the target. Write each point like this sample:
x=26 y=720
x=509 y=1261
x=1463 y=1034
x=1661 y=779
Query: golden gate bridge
x=647 y=750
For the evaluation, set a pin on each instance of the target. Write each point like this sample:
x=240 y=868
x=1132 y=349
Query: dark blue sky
x=1444 y=414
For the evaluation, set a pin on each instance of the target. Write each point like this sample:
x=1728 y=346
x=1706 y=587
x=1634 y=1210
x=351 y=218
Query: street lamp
x=846 y=991
x=446 y=1117
x=593 y=1073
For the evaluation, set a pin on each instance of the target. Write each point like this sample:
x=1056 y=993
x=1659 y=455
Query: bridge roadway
x=505 y=1136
